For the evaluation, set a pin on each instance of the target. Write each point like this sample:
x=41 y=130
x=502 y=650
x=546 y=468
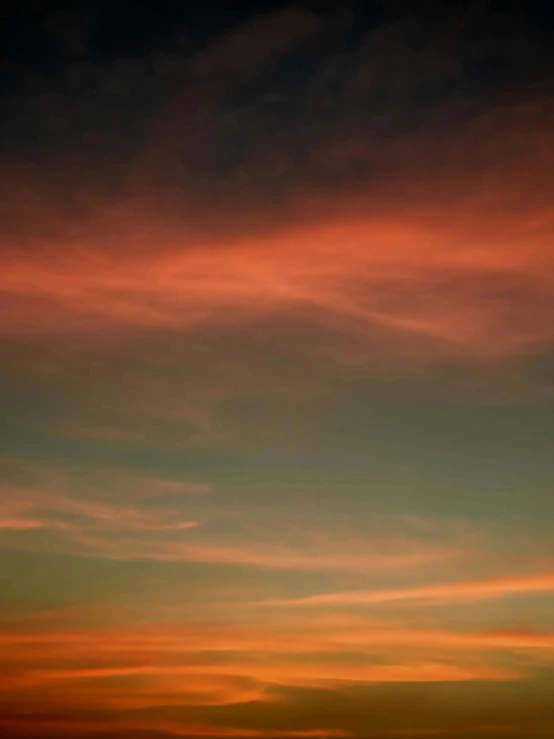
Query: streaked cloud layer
x=276 y=340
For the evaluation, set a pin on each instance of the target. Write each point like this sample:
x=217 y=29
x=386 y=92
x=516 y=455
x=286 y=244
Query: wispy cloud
x=278 y=556
x=62 y=726
x=391 y=277
x=20 y=524
x=48 y=511
x=176 y=665
x=469 y=590
x=129 y=518
x=298 y=637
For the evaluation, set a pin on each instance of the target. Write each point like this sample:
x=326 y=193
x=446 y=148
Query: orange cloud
x=273 y=557
x=188 y=680
x=94 y=527
x=174 y=665
x=453 y=262
x=20 y=524
x=92 y=513
x=177 y=665
x=85 y=541
x=356 y=276
x=317 y=637
x=42 y=726
x=420 y=244
x=472 y=590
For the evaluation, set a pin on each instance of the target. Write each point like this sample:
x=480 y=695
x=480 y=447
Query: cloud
x=153 y=665
x=439 y=248
x=20 y=524
x=116 y=514
x=61 y=726
x=93 y=497
x=284 y=557
x=297 y=637
x=470 y=590
x=111 y=538
x=146 y=666
x=188 y=680
x=90 y=514
x=132 y=671
x=272 y=231
x=357 y=277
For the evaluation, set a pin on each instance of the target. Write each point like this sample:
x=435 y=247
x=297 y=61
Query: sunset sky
x=277 y=369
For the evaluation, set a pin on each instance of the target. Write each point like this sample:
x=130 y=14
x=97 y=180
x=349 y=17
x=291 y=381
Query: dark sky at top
x=80 y=74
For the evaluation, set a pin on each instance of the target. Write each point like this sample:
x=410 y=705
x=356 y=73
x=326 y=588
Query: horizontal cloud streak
x=95 y=514
x=472 y=590
x=150 y=524
x=356 y=634
x=196 y=665
x=389 y=277
x=62 y=726
x=277 y=557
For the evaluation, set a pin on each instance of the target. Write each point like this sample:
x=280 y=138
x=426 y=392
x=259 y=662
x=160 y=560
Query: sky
x=277 y=369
